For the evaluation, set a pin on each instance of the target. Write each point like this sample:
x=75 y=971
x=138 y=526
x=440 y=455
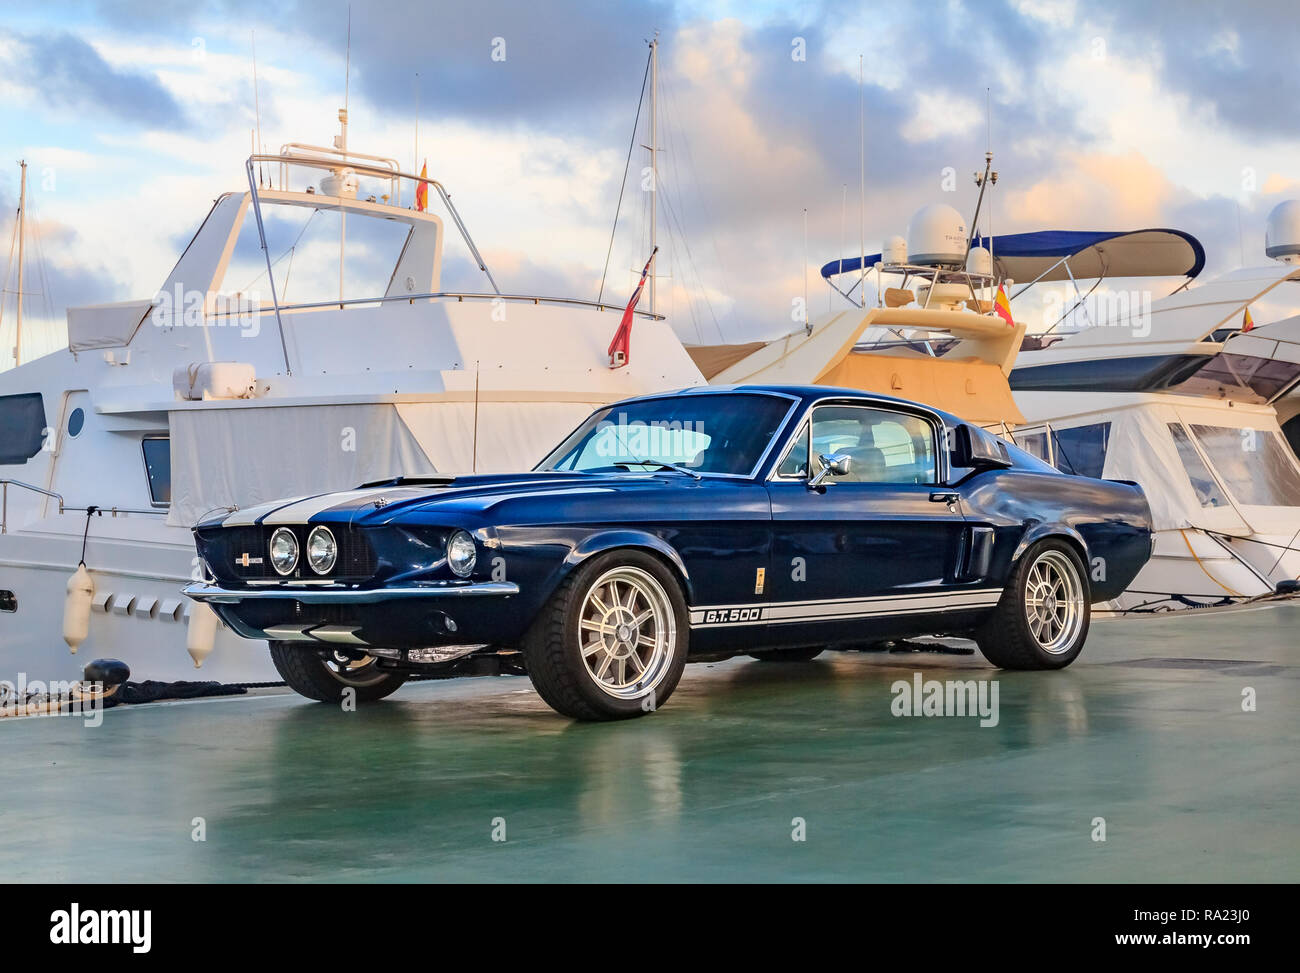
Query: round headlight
x=284 y=550
x=322 y=551
x=461 y=553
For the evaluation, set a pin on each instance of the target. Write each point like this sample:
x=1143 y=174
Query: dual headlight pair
x=323 y=551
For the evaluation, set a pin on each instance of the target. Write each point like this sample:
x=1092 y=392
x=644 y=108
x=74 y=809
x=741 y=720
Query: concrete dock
x=1146 y=731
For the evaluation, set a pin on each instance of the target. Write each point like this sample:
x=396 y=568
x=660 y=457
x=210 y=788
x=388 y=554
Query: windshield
x=710 y=433
x=1255 y=464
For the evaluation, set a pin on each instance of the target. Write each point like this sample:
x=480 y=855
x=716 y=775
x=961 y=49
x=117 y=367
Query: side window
x=22 y=417
x=158 y=467
x=1203 y=482
x=1081 y=450
x=882 y=446
x=795 y=463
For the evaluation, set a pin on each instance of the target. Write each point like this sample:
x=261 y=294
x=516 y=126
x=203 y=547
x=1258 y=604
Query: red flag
x=422 y=190
x=1247 y=322
x=620 y=349
x=1003 y=307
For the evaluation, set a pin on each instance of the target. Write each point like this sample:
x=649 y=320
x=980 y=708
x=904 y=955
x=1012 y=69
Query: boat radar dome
x=1282 y=232
x=894 y=251
x=937 y=236
x=979 y=261
x=340 y=182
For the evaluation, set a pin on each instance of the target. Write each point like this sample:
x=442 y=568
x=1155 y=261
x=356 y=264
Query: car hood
x=379 y=503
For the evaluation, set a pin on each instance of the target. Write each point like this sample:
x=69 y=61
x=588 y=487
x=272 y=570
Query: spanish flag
x=1247 y=322
x=422 y=190
x=1002 y=307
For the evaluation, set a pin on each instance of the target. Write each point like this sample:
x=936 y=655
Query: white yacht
x=1170 y=393
x=340 y=361
x=1180 y=394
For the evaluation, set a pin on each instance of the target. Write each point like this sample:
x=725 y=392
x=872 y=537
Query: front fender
x=608 y=540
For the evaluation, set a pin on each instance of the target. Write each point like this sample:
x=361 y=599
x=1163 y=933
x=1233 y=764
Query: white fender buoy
x=200 y=633
x=76 y=607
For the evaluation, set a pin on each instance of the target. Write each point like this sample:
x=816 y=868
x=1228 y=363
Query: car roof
x=805 y=393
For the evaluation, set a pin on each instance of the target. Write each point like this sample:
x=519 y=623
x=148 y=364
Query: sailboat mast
x=22 y=218
x=654 y=163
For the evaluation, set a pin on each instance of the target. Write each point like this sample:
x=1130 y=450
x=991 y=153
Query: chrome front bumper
x=331 y=594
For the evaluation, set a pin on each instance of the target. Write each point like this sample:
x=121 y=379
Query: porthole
x=75 y=422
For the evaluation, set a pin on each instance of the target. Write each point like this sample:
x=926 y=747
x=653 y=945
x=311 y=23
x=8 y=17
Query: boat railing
x=64 y=507
x=458 y=297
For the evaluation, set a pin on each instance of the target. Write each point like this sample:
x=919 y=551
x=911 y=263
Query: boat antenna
x=22 y=232
x=983 y=180
x=844 y=205
x=626 y=166
x=807 y=318
x=343 y=146
x=415 y=161
x=257 y=111
x=862 y=187
x=654 y=163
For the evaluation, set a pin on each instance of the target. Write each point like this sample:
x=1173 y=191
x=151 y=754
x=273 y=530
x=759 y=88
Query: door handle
x=949 y=498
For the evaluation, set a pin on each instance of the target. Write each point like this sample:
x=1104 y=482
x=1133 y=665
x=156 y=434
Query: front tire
x=1042 y=619
x=611 y=643
x=308 y=674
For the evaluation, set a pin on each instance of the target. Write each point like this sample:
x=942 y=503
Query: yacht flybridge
x=935 y=337
x=216 y=394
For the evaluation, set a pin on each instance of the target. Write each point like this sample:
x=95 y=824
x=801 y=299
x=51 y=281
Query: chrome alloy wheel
x=1054 y=604
x=627 y=631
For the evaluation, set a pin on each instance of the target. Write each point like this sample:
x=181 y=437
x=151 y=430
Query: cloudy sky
x=1105 y=115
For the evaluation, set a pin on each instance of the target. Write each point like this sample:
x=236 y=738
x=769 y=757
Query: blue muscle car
x=767 y=520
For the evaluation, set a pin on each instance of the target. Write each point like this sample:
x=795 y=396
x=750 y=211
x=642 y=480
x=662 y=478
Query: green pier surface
x=1146 y=731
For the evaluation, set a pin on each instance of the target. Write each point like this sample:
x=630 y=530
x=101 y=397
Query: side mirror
x=836 y=464
x=974 y=448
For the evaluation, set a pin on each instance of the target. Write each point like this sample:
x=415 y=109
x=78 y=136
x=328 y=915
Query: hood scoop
x=432 y=480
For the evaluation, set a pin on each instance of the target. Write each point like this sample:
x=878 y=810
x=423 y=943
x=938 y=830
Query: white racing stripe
x=304 y=509
x=835 y=609
x=248 y=516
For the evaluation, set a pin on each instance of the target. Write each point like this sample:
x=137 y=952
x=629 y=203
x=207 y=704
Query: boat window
x=304 y=245
x=1034 y=443
x=158 y=467
x=1081 y=450
x=22 y=417
x=75 y=422
x=883 y=447
x=1256 y=464
x=1207 y=491
x=1265 y=377
x=8 y=601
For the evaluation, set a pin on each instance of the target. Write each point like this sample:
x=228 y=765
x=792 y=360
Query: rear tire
x=1042 y=619
x=308 y=674
x=805 y=653
x=612 y=640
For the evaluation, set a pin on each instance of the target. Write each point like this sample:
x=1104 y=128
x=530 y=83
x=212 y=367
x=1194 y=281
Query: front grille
x=225 y=546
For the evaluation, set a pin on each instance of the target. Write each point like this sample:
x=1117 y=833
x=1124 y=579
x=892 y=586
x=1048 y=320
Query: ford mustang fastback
x=763 y=520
